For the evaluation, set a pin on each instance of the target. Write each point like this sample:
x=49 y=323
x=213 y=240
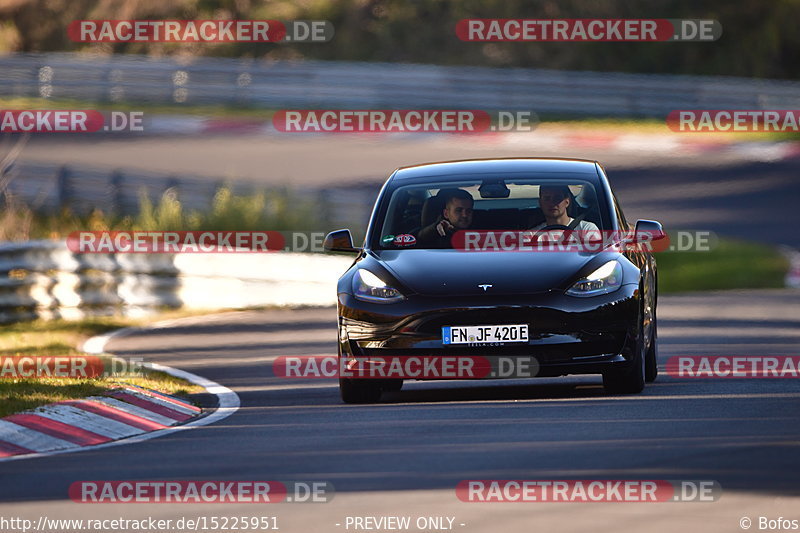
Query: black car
x=430 y=286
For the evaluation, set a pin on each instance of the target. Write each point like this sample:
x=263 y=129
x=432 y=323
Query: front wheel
x=651 y=359
x=392 y=385
x=628 y=380
x=359 y=390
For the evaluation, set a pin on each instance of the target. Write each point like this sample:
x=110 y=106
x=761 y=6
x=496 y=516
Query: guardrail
x=44 y=279
x=334 y=84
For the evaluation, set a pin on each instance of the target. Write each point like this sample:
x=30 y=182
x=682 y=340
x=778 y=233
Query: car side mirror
x=339 y=241
x=645 y=234
x=648 y=231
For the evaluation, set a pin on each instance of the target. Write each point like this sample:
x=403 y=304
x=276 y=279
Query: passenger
x=456 y=215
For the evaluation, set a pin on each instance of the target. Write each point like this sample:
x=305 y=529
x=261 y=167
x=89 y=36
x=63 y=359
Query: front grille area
x=601 y=344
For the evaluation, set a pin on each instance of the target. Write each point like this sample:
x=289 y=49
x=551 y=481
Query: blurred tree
x=759 y=36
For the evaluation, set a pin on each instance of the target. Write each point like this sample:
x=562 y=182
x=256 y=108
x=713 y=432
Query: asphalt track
x=405 y=455
x=314 y=160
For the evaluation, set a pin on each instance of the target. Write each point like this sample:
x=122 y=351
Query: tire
x=359 y=390
x=629 y=380
x=392 y=385
x=651 y=358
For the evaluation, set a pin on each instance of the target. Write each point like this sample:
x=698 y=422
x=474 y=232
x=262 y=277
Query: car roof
x=458 y=169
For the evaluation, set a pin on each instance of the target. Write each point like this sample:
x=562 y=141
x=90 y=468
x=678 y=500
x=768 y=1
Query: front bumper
x=567 y=335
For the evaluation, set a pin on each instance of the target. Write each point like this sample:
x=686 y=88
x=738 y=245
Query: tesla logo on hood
x=485 y=286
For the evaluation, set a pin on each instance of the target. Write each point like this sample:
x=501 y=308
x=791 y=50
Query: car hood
x=447 y=272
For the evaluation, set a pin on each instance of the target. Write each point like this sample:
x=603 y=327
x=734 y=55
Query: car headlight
x=370 y=288
x=605 y=279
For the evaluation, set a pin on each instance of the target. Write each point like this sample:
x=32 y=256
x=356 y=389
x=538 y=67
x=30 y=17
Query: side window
x=408 y=210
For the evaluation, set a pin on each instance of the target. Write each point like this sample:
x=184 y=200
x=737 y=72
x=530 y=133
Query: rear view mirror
x=494 y=189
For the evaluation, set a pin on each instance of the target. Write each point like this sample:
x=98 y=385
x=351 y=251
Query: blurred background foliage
x=760 y=37
x=275 y=209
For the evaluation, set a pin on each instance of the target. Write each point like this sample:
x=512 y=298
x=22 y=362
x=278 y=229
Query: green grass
x=62 y=338
x=731 y=264
x=24 y=394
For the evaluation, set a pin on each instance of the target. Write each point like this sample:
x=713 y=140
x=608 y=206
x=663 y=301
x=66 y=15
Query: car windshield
x=427 y=215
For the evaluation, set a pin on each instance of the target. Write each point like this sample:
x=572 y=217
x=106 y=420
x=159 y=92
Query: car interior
x=419 y=208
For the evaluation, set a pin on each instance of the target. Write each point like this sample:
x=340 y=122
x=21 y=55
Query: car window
x=496 y=204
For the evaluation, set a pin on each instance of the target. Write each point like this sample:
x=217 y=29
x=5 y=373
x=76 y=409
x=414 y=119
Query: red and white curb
x=95 y=420
x=124 y=416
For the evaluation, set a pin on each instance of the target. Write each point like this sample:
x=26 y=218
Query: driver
x=555 y=201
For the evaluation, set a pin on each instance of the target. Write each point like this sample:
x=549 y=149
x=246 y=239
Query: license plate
x=485 y=334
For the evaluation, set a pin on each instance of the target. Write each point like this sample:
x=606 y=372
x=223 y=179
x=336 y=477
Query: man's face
x=459 y=212
x=554 y=202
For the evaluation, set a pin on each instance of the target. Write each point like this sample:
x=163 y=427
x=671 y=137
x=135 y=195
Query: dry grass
x=61 y=338
x=276 y=210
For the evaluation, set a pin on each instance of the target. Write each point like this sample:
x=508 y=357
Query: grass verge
x=731 y=264
x=61 y=338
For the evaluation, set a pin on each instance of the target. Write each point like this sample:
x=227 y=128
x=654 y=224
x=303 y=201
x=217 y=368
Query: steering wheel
x=553 y=226
x=538 y=234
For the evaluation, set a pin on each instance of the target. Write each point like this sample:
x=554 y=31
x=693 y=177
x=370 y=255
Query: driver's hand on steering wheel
x=551 y=233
